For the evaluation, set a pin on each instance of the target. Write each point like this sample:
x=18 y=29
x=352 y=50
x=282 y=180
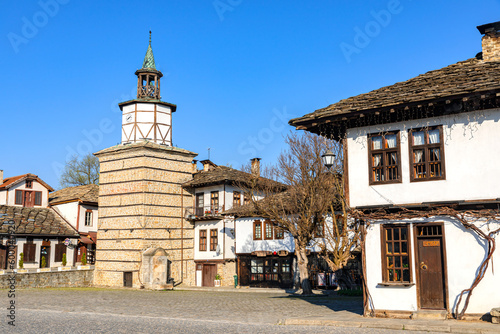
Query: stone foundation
x=53 y=279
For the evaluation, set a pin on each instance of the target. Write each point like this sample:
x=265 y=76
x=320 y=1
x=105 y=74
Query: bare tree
x=311 y=193
x=78 y=172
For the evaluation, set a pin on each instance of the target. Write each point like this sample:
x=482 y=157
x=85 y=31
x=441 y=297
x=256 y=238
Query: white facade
x=8 y=196
x=152 y=121
x=225 y=239
x=461 y=263
x=472 y=160
x=75 y=213
x=245 y=244
x=52 y=263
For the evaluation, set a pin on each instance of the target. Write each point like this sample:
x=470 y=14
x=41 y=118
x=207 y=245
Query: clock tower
x=147 y=118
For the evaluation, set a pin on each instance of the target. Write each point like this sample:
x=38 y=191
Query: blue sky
x=238 y=70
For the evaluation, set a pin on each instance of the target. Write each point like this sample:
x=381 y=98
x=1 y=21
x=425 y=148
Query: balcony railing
x=208 y=211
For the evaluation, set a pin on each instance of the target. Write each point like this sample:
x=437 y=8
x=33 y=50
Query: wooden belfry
x=148 y=77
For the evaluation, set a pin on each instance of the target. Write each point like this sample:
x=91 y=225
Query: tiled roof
x=223 y=174
x=35 y=221
x=464 y=78
x=86 y=193
x=13 y=180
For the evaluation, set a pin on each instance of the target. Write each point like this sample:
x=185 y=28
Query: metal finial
x=150 y=37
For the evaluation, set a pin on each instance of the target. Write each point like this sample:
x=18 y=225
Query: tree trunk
x=302 y=262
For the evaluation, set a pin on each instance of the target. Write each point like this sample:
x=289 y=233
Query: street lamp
x=327 y=159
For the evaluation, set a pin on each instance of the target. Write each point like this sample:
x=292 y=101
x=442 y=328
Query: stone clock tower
x=147 y=117
x=143 y=237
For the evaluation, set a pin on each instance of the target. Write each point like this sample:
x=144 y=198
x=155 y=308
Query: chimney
x=490 y=41
x=255 y=166
x=194 y=166
x=1 y=176
x=208 y=165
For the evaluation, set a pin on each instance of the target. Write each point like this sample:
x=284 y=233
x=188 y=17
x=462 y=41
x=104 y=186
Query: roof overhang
x=172 y=106
x=335 y=125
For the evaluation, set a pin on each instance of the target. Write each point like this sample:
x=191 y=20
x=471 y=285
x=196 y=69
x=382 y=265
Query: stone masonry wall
x=142 y=205
x=491 y=46
x=62 y=279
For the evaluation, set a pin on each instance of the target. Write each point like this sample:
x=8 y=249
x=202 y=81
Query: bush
x=64 y=261
x=84 y=258
x=44 y=262
x=218 y=277
x=21 y=260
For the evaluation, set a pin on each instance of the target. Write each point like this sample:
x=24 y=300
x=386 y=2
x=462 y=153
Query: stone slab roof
x=147 y=144
x=35 y=222
x=464 y=78
x=223 y=174
x=85 y=193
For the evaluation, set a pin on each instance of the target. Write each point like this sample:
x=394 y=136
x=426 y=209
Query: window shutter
x=19 y=197
x=38 y=198
x=29 y=252
x=60 y=250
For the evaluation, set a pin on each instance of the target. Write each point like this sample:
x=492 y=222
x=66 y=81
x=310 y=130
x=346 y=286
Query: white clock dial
x=128 y=118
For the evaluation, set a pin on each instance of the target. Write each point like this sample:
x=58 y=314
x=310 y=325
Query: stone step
x=430 y=314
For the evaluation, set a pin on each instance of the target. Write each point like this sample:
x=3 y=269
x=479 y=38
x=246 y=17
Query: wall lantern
x=327 y=159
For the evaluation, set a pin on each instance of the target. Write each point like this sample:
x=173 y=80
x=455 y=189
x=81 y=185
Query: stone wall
x=142 y=206
x=54 y=279
x=491 y=46
x=227 y=270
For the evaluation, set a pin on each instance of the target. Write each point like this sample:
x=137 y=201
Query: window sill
x=396 y=284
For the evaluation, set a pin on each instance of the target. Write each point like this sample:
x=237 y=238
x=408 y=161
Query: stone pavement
x=244 y=306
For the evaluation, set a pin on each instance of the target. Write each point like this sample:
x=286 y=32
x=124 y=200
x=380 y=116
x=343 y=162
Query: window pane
x=388 y=234
x=389 y=248
x=434 y=136
x=418 y=138
x=377 y=142
x=390 y=261
x=396 y=233
x=418 y=156
x=403 y=234
x=406 y=275
x=377 y=160
x=404 y=247
x=397 y=275
x=405 y=261
x=396 y=248
x=391 y=141
x=397 y=262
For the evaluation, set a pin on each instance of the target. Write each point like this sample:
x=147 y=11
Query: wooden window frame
x=236 y=199
x=426 y=148
x=29 y=184
x=60 y=249
x=88 y=211
x=29 y=251
x=203 y=241
x=38 y=195
x=278 y=233
x=199 y=209
x=16 y=197
x=214 y=201
x=268 y=227
x=384 y=151
x=386 y=255
x=255 y=223
x=214 y=241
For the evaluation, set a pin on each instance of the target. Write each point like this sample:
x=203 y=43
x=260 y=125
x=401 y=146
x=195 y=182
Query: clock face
x=128 y=118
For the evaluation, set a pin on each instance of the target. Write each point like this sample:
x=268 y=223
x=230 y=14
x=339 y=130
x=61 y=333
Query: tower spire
x=149 y=59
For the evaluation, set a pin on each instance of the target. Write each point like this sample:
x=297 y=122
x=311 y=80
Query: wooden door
x=127 y=279
x=431 y=273
x=45 y=252
x=209 y=272
x=29 y=199
x=244 y=271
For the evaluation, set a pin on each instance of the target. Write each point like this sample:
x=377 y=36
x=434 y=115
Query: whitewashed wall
x=472 y=160
x=246 y=244
x=38 y=243
x=464 y=253
x=225 y=239
x=22 y=186
x=68 y=211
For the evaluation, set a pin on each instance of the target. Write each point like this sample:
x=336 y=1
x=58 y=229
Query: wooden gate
x=3 y=257
x=430 y=267
x=209 y=272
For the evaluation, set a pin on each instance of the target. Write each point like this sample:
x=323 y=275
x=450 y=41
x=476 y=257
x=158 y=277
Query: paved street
x=85 y=310
x=123 y=311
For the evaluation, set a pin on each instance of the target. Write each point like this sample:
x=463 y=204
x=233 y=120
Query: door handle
x=423 y=266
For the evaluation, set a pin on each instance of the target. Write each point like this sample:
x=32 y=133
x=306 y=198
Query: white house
x=418 y=155
x=79 y=206
x=216 y=189
x=38 y=232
